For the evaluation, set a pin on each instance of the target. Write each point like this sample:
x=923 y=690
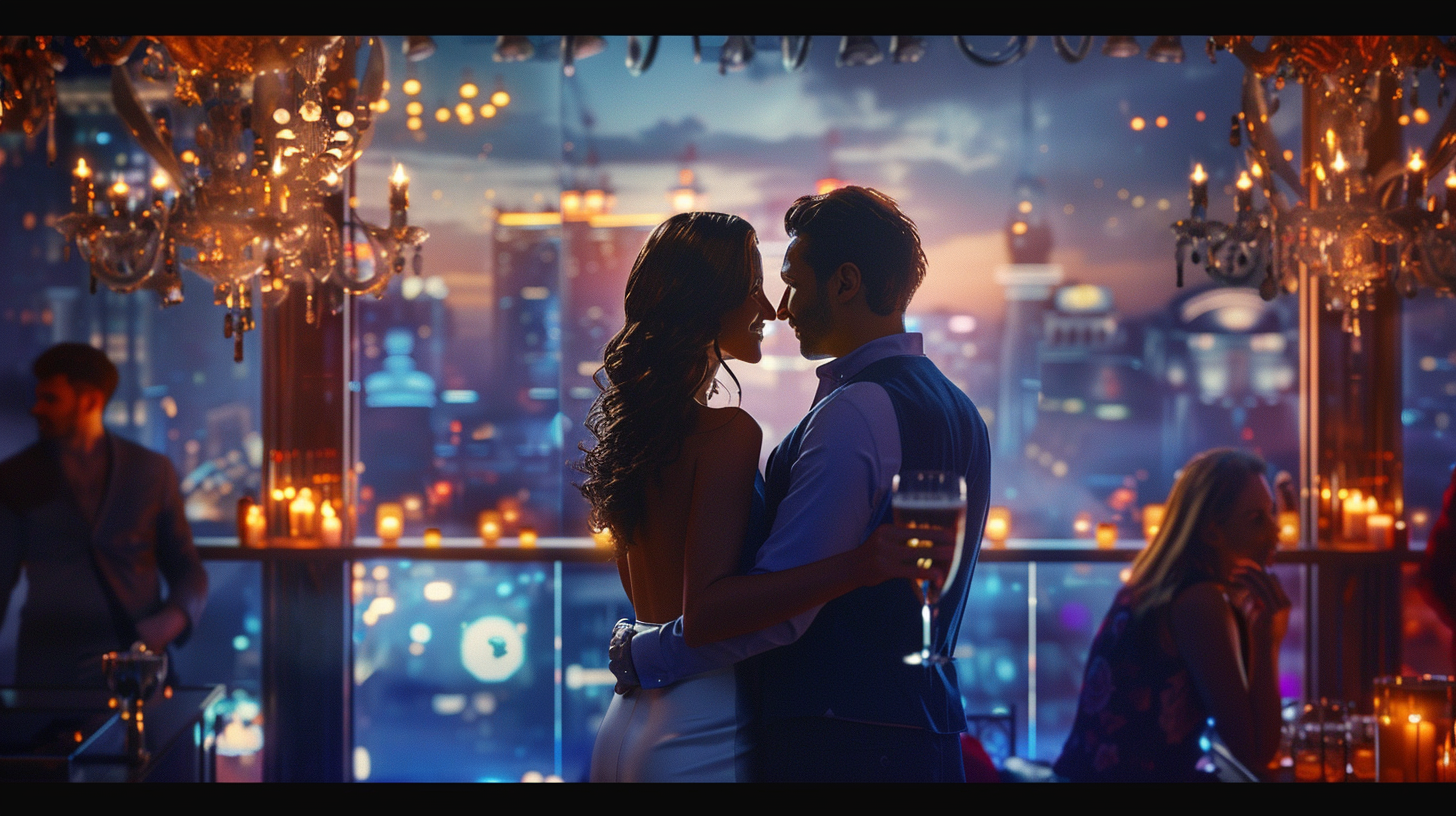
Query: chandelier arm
x=1262 y=136
x=1066 y=52
x=1385 y=182
x=1017 y=50
x=639 y=65
x=1443 y=144
x=1262 y=63
x=133 y=114
x=794 y=56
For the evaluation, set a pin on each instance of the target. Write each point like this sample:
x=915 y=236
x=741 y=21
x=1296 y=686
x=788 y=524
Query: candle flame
x=1339 y=165
x=1415 y=164
x=120 y=188
x=1319 y=171
x=82 y=171
x=160 y=180
x=1244 y=183
x=399 y=177
x=1330 y=138
x=1257 y=170
x=1198 y=175
x=1451 y=180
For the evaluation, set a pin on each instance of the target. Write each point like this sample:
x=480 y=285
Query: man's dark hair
x=80 y=364
x=864 y=227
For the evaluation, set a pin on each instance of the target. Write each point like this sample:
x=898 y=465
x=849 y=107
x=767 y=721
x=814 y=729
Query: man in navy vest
x=832 y=697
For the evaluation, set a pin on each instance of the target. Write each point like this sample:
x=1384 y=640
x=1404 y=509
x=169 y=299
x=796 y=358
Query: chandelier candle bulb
x=1244 y=198
x=432 y=538
x=1198 y=192
x=1106 y=535
x=527 y=538
x=119 y=196
x=83 y=194
x=1415 y=179
x=398 y=196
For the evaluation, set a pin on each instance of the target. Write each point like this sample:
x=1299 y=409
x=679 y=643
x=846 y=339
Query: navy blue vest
x=849 y=664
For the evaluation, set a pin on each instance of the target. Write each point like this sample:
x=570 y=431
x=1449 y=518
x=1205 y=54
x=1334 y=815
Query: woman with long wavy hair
x=1193 y=635
x=676 y=483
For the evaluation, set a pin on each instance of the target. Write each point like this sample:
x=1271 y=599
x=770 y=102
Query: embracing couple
x=781 y=606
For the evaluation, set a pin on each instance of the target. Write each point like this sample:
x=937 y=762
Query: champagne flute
x=931 y=500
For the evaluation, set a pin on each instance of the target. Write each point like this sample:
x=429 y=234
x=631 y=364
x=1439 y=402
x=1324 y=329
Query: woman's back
x=682 y=501
x=1140 y=713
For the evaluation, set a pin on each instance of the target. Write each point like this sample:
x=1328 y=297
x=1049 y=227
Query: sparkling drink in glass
x=931 y=500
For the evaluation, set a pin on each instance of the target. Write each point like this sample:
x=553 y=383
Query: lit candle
x=300 y=514
x=159 y=189
x=1106 y=535
x=332 y=531
x=398 y=196
x=1354 y=516
x=120 y=197
x=1289 y=530
x=1082 y=524
x=1198 y=192
x=255 y=527
x=1153 y=515
x=1244 y=198
x=528 y=538
x=1451 y=196
x=1380 y=528
x=489 y=525
x=998 y=526
x=389 y=523
x=1415 y=179
x=83 y=194
x=510 y=510
x=432 y=537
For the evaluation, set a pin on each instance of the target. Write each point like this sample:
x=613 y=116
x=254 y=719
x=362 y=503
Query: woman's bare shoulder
x=1200 y=610
x=732 y=423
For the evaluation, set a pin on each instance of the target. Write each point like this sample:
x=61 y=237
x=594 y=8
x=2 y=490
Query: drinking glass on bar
x=931 y=500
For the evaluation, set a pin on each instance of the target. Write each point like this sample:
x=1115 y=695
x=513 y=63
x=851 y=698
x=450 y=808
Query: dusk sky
x=943 y=136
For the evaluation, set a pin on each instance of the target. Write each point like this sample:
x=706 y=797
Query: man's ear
x=91 y=399
x=845 y=283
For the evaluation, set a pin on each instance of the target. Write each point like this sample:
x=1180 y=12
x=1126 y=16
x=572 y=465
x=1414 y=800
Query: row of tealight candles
x=1359 y=522
x=301 y=512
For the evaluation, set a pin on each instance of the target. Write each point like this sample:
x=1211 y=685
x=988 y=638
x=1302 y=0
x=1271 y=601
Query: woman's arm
x=1244 y=700
x=720 y=604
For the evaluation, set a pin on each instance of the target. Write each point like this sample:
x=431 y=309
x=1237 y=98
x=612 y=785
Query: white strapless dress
x=686 y=732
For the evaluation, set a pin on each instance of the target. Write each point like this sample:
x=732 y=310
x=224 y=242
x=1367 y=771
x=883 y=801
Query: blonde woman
x=1195 y=634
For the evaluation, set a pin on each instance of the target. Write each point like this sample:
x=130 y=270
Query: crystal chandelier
x=261 y=195
x=1355 y=223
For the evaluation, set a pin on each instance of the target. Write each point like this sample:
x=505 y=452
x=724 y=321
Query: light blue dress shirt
x=837 y=486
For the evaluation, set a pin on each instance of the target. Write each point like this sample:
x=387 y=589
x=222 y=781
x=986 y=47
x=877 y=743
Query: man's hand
x=888 y=554
x=162 y=628
x=619 y=658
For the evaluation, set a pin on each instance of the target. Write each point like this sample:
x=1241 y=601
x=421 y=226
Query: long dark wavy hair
x=694 y=269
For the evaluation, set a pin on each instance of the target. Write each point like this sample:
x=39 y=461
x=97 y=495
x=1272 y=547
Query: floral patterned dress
x=1139 y=717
